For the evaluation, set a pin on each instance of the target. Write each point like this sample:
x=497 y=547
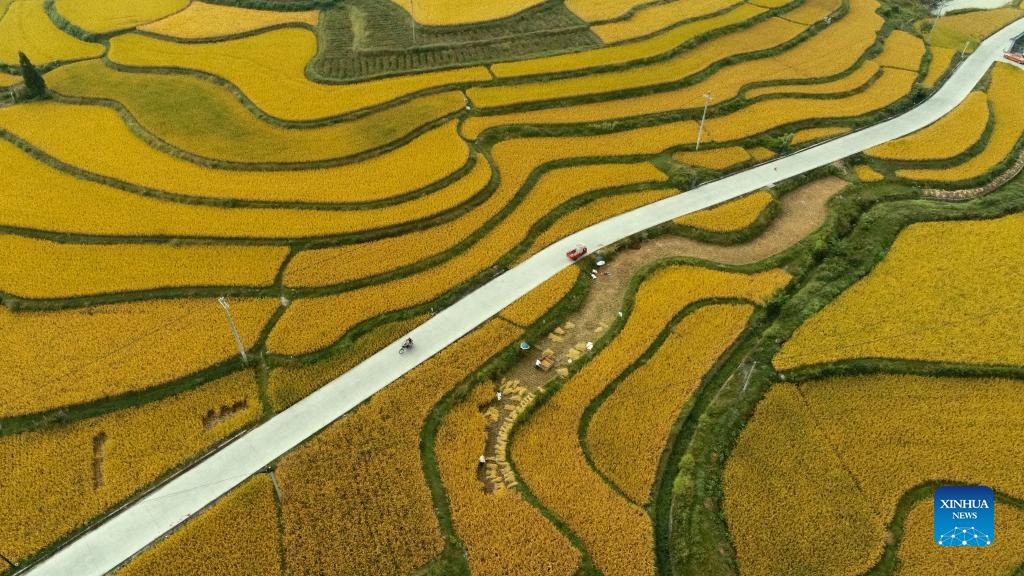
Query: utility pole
x=238 y=339
x=964 y=51
x=700 y=131
x=935 y=24
x=412 y=10
x=749 y=374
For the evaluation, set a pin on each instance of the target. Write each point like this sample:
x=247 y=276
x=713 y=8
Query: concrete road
x=121 y=536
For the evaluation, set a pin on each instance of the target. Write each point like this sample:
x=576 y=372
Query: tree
x=34 y=82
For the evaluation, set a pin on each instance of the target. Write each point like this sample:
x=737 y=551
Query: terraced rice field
x=202 y=227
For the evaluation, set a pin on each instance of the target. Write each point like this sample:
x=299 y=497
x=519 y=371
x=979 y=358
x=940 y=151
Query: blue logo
x=964 y=516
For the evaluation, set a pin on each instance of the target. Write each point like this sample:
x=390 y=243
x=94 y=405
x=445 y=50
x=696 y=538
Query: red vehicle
x=1018 y=58
x=576 y=253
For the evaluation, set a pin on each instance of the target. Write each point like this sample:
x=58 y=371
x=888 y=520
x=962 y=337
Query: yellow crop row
x=789 y=500
x=1008 y=126
x=859 y=77
x=758 y=37
x=376 y=517
x=757 y=118
x=25 y=27
x=109 y=15
x=101 y=143
x=622 y=54
x=813 y=11
x=655 y=17
x=502 y=533
x=547 y=452
x=324 y=267
x=812 y=58
x=529 y=308
x=32 y=265
x=902 y=50
x=953 y=31
x=761 y=154
x=202 y=20
x=812 y=134
x=733 y=215
x=597 y=211
x=67 y=475
x=941 y=59
x=962 y=308
x=40 y=197
x=236 y=536
x=919 y=556
x=629 y=432
x=67 y=357
x=270 y=69
x=714 y=158
x=219 y=126
x=950 y=136
x=595 y=10
x=866 y=173
x=289 y=384
x=313 y=323
x=461 y=12
x=928 y=428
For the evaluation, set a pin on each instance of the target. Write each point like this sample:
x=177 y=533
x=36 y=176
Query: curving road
x=118 y=538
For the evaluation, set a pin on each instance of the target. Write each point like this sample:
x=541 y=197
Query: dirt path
x=802 y=211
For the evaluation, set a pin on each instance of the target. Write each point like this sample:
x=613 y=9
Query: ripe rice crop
x=761 y=154
x=31 y=266
x=941 y=59
x=655 y=17
x=547 y=452
x=202 y=20
x=329 y=266
x=236 y=536
x=1008 y=126
x=961 y=309
x=902 y=50
x=620 y=54
x=733 y=215
x=37 y=196
x=919 y=556
x=595 y=10
x=952 y=31
x=866 y=173
x=597 y=211
x=813 y=11
x=789 y=500
x=529 y=308
x=929 y=428
x=502 y=533
x=377 y=517
x=714 y=158
x=812 y=134
x=25 y=27
x=109 y=15
x=629 y=431
x=287 y=385
x=9 y=80
x=936 y=142
x=462 y=12
x=104 y=146
x=313 y=323
x=859 y=77
x=219 y=126
x=68 y=357
x=261 y=65
x=814 y=57
x=760 y=117
x=68 y=474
